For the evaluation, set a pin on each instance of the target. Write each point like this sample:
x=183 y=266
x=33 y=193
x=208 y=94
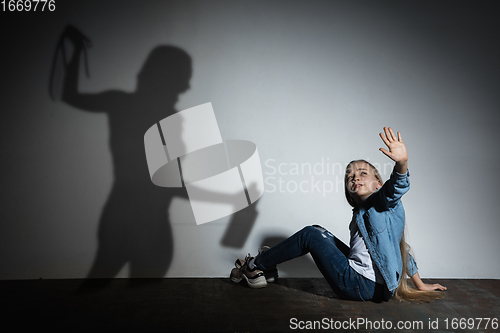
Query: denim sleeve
x=412 y=268
x=393 y=189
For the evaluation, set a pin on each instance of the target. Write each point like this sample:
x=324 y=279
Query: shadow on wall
x=240 y=226
x=134 y=226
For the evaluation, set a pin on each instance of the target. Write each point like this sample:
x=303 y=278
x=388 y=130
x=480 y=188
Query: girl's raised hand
x=397 y=149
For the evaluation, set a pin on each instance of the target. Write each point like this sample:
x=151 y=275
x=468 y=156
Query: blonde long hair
x=404 y=291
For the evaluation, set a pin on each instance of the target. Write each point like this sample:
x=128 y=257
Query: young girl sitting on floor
x=376 y=265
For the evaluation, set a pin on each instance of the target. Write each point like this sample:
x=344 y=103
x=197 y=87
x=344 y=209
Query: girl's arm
x=71 y=95
x=425 y=286
x=397 y=150
x=399 y=183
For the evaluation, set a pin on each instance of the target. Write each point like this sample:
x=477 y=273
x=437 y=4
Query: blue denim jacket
x=381 y=221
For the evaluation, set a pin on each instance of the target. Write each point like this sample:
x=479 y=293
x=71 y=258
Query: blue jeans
x=329 y=254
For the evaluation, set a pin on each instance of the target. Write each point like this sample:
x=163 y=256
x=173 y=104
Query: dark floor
x=217 y=305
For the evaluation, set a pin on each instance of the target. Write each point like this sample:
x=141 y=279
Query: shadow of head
x=166 y=72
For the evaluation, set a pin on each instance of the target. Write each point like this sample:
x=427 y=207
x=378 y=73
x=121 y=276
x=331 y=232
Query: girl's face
x=361 y=181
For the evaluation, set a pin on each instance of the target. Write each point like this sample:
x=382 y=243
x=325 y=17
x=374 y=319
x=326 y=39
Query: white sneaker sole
x=259 y=282
x=235 y=280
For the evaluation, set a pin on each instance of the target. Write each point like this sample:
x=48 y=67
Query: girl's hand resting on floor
x=425 y=286
x=430 y=287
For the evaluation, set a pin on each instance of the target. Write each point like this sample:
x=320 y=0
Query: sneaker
x=254 y=277
x=270 y=274
x=236 y=275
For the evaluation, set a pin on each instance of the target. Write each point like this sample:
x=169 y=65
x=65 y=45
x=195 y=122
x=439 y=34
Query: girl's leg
x=329 y=254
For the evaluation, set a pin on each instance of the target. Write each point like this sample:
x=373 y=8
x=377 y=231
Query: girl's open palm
x=397 y=149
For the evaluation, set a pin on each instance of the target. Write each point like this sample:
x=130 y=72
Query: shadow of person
x=240 y=225
x=134 y=226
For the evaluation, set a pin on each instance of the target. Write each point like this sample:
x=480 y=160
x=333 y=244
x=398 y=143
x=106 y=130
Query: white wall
x=307 y=81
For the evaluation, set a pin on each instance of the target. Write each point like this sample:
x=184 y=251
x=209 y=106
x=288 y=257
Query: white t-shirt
x=359 y=258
